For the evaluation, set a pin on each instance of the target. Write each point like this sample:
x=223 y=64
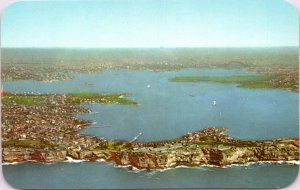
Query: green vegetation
x=81 y=97
x=35 y=144
x=72 y=98
x=114 y=146
x=22 y=99
x=265 y=84
x=240 y=143
x=222 y=79
x=244 y=81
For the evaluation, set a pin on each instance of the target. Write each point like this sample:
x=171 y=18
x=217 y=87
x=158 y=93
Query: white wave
x=135 y=169
x=93 y=112
x=10 y=163
x=101 y=160
x=121 y=166
x=292 y=162
x=71 y=160
x=296 y=162
x=203 y=167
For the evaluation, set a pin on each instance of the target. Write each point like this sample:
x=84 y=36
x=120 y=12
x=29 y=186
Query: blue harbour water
x=95 y=175
x=167 y=110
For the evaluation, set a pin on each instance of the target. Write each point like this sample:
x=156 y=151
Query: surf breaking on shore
x=211 y=147
x=63 y=142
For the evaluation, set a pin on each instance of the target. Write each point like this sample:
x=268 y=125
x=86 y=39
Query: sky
x=150 y=24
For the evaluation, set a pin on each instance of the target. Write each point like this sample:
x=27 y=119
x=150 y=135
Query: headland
x=43 y=128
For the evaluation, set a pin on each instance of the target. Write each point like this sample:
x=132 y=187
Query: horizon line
x=160 y=47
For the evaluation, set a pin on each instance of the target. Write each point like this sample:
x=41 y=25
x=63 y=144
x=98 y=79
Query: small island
x=42 y=128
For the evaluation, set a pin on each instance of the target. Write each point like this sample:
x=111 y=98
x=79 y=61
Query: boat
x=214 y=103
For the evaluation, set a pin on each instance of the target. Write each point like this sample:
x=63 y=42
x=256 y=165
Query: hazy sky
x=150 y=23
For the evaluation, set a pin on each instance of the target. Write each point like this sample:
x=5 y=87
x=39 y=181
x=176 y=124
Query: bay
x=167 y=110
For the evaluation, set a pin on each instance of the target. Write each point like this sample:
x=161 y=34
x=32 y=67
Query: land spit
x=56 y=64
x=42 y=128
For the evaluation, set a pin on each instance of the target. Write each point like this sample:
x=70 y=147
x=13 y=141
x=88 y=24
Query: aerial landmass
x=42 y=128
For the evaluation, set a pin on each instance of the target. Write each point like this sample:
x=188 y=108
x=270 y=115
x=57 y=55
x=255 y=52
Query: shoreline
x=269 y=63
x=42 y=128
x=131 y=168
x=188 y=151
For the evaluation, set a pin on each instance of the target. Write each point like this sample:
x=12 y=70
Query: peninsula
x=258 y=81
x=42 y=128
x=277 y=67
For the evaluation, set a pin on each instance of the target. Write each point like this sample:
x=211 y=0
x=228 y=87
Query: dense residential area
x=42 y=128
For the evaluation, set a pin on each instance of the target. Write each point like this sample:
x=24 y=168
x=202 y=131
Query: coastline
x=191 y=150
x=72 y=161
x=56 y=138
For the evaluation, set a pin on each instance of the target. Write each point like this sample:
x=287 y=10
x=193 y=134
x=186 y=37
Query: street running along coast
x=42 y=128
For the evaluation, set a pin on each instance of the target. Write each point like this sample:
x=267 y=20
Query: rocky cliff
x=215 y=156
x=210 y=146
